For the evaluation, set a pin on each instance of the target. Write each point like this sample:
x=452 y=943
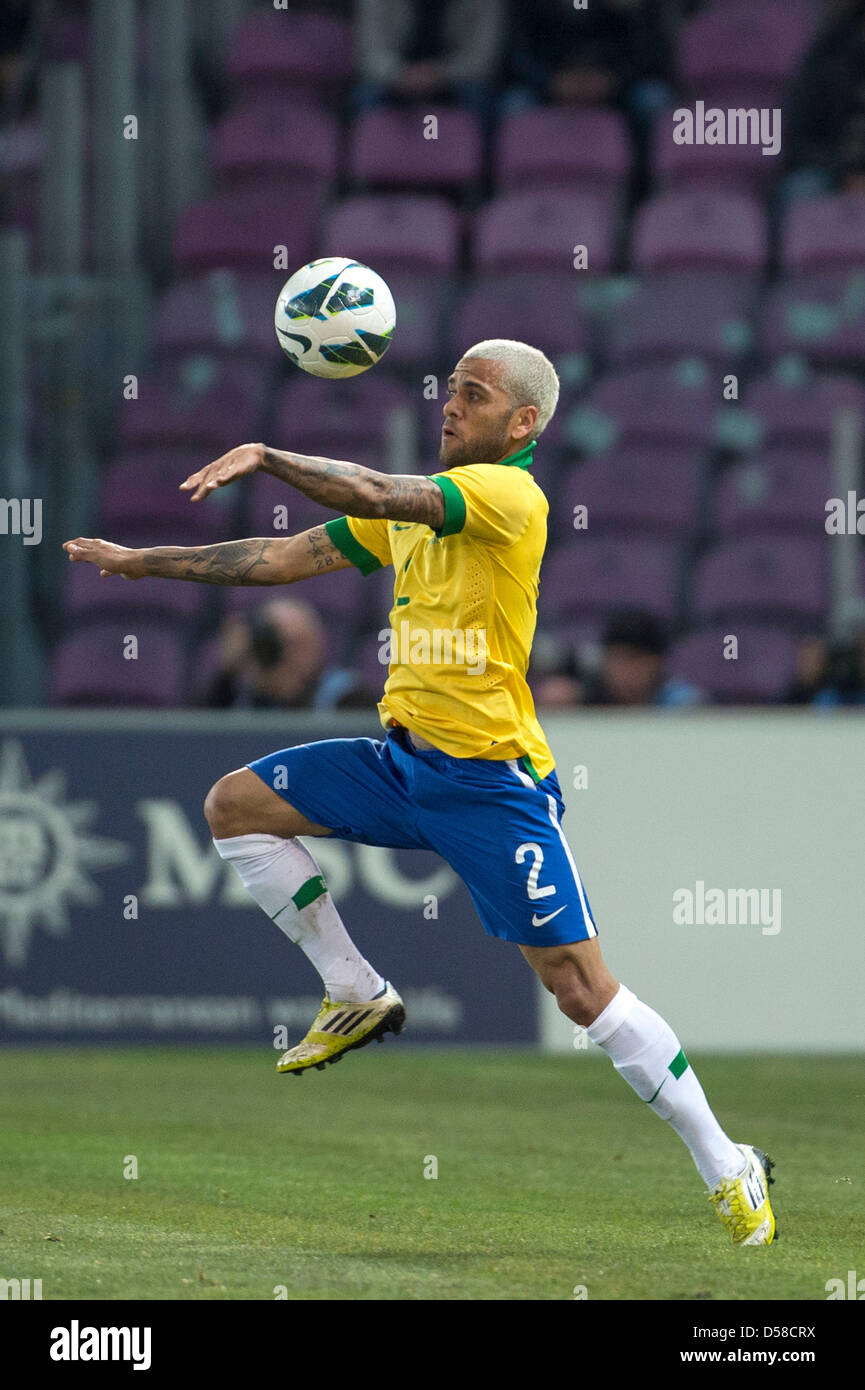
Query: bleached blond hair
x=528 y=377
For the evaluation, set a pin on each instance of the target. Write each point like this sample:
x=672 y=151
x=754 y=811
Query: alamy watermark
x=21 y=516
x=735 y=126
x=438 y=646
x=731 y=907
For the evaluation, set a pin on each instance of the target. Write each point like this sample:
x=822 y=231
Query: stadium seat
x=262 y=143
x=761 y=670
x=221 y=314
x=557 y=146
x=396 y=232
x=539 y=231
x=242 y=231
x=640 y=492
x=763 y=579
x=794 y=410
x=729 y=168
x=543 y=309
x=673 y=314
x=589 y=577
x=741 y=54
x=342 y=598
x=824 y=233
x=203 y=403
x=340 y=419
x=388 y=146
x=774 y=491
x=142 y=489
x=671 y=406
x=293 y=53
x=821 y=315
x=422 y=306
x=86 y=593
x=700 y=231
x=90 y=668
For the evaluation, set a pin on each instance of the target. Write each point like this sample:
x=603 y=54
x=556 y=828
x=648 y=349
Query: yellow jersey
x=464 y=612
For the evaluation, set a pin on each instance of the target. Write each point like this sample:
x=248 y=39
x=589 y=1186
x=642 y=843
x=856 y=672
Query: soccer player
x=464 y=768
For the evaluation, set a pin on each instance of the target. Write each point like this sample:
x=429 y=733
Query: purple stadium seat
x=825 y=233
x=271 y=141
x=339 y=419
x=538 y=231
x=637 y=491
x=551 y=146
x=732 y=168
x=387 y=146
x=204 y=404
x=670 y=406
x=761 y=671
x=797 y=412
x=339 y=598
x=277 y=510
x=589 y=576
x=243 y=231
x=395 y=232
x=90 y=668
x=142 y=488
x=700 y=231
x=221 y=314
x=542 y=309
x=290 y=53
x=671 y=315
x=739 y=48
x=86 y=593
x=763 y=578
x=420 y=310
x=774 y=491
x=821 y=315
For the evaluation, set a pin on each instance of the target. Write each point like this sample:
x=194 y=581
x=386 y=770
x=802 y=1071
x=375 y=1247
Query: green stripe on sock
x=312 y=889
x=678 y=1064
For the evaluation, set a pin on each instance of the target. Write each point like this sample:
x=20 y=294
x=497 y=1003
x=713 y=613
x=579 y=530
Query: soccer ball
x=335 y=317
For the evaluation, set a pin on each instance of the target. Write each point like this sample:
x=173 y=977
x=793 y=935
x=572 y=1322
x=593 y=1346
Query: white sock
x=284 y=879
x=646 y=1052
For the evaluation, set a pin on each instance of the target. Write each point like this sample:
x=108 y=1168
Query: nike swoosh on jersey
x=542 y=921
x=403 y=528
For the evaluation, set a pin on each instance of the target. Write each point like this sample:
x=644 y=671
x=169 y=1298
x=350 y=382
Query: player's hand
x=237 y=463
x=110 y=558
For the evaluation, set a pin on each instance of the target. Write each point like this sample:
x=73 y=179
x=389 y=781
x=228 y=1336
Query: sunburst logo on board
x=47 y=854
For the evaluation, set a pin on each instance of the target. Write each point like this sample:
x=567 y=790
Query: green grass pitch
x=551 y=1175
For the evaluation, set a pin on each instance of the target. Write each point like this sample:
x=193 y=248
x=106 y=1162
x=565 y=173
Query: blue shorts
x=498 y=829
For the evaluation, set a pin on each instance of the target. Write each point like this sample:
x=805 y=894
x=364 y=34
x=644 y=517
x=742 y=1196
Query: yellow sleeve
x=487 y=500
x=362 y=540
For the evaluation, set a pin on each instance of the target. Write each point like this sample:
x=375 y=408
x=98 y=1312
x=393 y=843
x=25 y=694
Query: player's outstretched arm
x=256 y=561
x=345 y=487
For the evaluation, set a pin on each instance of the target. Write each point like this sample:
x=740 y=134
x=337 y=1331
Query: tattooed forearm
x=230 y=562
x=359 y=491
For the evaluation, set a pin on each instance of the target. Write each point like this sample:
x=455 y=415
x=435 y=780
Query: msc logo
x=47 y=857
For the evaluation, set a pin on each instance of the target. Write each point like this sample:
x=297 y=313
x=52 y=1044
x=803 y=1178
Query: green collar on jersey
x=521 y=460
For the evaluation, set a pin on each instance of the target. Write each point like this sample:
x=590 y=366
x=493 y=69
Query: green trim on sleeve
x=455 y=506
x=344 y=539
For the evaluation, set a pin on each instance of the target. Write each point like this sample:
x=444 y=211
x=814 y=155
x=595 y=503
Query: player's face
x=478 y=416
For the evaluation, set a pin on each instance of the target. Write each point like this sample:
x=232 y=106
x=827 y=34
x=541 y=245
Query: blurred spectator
x=832 y=673
x=631 y=670
x=614 y=52
x=409 y=50
x=275 y=659
x=825 y=107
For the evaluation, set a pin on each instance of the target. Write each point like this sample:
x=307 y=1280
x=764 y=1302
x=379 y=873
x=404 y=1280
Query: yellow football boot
x=339 y=1028
x=743 y=1204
